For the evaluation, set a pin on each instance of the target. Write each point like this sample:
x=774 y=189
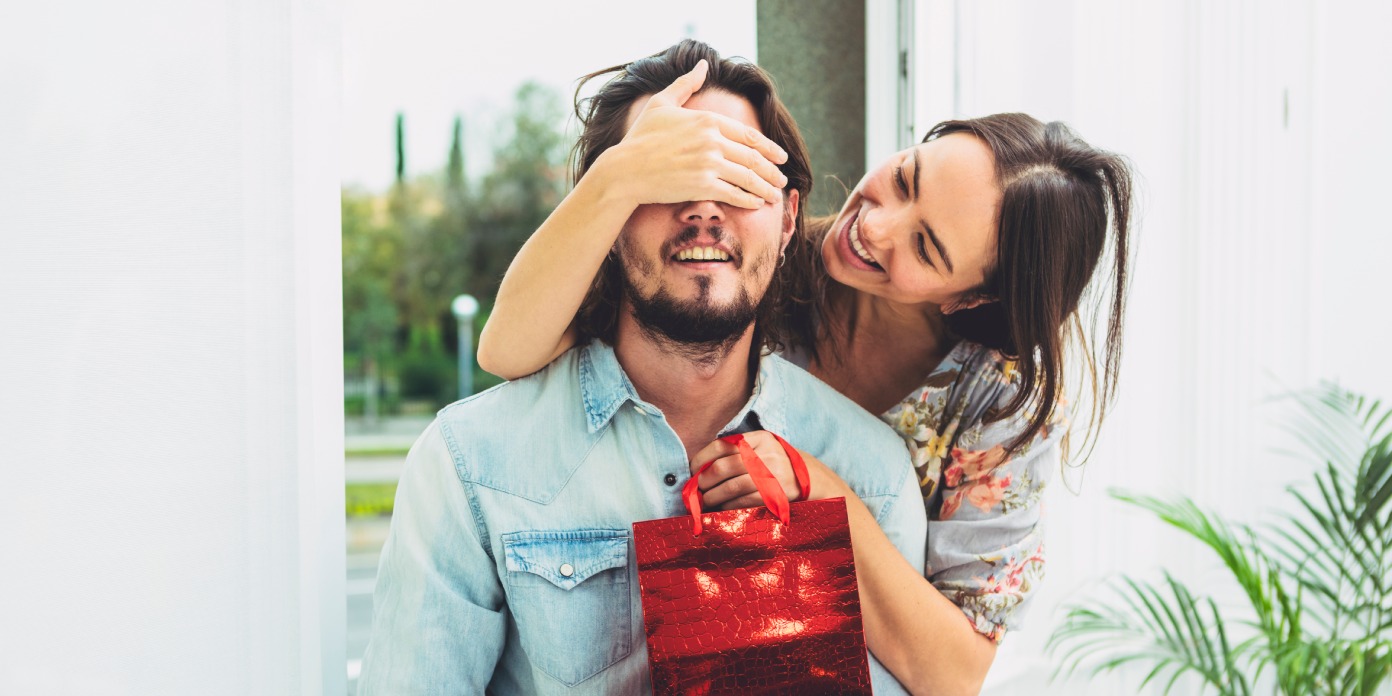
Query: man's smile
x=702 y=253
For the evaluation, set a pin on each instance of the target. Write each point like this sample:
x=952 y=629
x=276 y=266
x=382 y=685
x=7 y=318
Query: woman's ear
x=969 y=300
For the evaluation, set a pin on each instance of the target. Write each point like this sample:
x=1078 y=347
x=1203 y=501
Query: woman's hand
x=727 y=485
x=672 y=154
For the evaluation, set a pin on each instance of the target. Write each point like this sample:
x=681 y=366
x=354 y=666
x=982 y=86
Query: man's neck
x=698 y=394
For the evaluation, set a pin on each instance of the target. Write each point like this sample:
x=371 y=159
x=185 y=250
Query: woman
x=941 y=297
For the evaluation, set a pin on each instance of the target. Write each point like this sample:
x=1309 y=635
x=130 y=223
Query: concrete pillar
x=815 y=50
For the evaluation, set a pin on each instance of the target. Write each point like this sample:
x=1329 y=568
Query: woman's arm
x=669 y=155
x=916 y=632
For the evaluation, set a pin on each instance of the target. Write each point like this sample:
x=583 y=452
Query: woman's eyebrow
x=917 y=169
x=937 y=243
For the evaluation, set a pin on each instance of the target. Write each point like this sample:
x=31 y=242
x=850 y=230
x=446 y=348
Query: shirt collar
x=604 y=388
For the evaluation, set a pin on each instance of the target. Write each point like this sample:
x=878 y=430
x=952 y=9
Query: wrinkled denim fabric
x=510 y=564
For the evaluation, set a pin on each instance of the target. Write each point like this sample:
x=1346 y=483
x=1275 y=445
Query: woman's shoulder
x=972 y=381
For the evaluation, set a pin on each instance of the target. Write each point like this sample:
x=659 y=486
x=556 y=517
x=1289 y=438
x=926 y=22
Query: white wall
x=1260 y=132
x=170 y=359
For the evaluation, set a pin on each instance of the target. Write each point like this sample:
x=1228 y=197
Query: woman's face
x=921 y=228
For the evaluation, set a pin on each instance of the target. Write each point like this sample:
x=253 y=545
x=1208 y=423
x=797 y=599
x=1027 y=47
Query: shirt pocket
x=568 y=592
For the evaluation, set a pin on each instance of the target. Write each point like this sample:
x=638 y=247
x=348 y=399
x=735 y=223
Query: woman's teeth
x=702 y=254
x=857 y=247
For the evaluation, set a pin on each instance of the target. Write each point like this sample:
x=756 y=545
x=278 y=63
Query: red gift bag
x=754 y=601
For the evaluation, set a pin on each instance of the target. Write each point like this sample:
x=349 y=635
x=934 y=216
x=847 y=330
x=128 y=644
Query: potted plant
x=1318 y=581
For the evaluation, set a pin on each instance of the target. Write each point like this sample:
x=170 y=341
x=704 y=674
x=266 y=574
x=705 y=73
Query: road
x=366 y=535
x=362 y=574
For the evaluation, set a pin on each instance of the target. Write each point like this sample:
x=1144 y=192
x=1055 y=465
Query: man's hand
x=727 y=485
x=672 y=154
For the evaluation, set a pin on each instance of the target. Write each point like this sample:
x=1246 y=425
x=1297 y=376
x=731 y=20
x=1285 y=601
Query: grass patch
x=378 y=452
x=370 y=499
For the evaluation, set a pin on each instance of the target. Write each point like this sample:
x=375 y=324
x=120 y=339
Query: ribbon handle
x=769 y=488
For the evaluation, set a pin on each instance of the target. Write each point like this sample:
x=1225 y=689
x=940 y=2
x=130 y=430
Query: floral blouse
x=985 y=538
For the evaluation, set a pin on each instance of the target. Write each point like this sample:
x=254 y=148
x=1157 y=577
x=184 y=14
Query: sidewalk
x=387 y=433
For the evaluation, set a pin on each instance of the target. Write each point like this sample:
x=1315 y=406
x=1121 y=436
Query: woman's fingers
x=728 y=193
x=743 y=176
x=751 y=137
x=681 y=88
x=754 y=160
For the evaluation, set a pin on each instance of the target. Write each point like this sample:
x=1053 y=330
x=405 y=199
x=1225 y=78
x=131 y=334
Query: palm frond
x=1239 y=552
x=1318 y=579
x=1168 y=628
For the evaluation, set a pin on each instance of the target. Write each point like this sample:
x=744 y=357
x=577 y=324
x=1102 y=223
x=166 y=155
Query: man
x=510 y=566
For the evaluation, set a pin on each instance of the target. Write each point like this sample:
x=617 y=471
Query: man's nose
x=700 y=211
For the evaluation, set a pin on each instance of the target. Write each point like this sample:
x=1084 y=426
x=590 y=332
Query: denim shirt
x=510 y=565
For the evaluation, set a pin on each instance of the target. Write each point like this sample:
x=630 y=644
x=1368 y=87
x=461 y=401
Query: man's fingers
x=681 y=88
x=748 y=501
x=733 y=489
x=715 y=450
x=724 y=469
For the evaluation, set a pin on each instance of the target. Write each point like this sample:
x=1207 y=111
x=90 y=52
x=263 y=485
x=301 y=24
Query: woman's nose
x=873 y=227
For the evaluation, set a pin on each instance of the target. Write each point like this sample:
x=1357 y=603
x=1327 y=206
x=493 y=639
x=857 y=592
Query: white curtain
x=170 y=351
x=1260 y=133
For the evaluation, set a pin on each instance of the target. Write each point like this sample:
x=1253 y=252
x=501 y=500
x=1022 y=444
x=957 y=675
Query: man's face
x=695 y=272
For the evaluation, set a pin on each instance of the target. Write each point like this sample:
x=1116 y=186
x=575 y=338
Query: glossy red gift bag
x=755 y=601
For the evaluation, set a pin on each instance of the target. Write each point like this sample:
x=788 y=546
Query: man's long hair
x=603 y=119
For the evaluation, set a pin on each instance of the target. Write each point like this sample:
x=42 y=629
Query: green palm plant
x=1317 y=581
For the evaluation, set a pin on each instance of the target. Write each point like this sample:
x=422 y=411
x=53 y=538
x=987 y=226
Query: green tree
x=371 y=254
x=526 y=182
x=411 y=250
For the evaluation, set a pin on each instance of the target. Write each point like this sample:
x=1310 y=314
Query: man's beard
x=698 y=329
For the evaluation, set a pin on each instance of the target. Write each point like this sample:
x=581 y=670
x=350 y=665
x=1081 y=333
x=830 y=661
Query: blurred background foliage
x=410 y=250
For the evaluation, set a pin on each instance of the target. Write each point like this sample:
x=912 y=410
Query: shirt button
x=670 y=479
x=567 y=570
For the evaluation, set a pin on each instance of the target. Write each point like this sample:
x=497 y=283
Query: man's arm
x=438 y=622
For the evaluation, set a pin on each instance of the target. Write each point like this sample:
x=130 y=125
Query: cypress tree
x=400 y=148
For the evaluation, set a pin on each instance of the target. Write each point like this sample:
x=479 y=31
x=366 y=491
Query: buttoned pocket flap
x=566 y=559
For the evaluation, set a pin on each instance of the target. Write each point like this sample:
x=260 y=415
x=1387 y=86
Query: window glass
x=457 y=120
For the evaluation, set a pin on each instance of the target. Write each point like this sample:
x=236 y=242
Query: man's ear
x=790 y=213
x=969 y=300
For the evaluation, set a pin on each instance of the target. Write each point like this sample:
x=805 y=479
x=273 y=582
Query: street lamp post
x=465 y=308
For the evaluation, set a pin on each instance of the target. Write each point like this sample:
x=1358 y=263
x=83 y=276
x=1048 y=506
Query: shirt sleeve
x=438 y=621
x=985 y=531
x=901 y=515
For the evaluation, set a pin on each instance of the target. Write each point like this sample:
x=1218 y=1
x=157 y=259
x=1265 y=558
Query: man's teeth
x=856 y=245
x=702 y=254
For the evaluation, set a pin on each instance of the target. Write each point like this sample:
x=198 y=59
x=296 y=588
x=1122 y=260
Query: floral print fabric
x=985 y=539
